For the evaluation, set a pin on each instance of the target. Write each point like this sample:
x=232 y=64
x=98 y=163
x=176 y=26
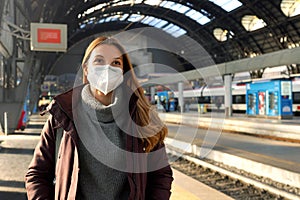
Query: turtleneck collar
x=104 y=113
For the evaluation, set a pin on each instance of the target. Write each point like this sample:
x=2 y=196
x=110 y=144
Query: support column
x=5 y=123
x=152 y=95
x=180 y=97
x=17 y=62
x=228 y=95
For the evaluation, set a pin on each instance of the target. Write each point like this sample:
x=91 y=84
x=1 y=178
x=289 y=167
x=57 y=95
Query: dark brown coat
x=41 y=173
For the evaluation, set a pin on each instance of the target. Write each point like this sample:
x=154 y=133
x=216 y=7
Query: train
x=212 y=97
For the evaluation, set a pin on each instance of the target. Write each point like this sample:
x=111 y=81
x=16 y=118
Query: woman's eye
x=98 y=61
x=117 y=63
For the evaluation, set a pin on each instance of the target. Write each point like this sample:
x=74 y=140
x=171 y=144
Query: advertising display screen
x=48 y=37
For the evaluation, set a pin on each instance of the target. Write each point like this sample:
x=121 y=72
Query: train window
x=204 y=99
x=239 y=99
x=217 y=99
x=296 y=97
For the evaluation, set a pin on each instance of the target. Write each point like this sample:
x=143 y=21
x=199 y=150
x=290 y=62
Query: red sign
x=46 y=35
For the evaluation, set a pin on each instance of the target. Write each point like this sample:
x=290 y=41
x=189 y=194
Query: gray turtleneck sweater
x=97 y=180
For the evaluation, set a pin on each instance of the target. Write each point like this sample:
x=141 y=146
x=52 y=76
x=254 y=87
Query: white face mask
x=105 y=78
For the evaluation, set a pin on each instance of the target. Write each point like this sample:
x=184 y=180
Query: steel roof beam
x=278 y=58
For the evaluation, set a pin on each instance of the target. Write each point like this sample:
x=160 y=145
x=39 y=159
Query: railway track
x=233 y=182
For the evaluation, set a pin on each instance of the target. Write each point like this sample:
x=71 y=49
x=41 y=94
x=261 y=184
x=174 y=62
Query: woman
x=112 y=144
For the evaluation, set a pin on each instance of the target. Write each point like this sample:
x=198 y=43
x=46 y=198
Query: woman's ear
x=85 y=71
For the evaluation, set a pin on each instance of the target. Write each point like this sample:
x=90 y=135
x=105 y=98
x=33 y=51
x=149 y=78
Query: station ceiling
x=227 y=29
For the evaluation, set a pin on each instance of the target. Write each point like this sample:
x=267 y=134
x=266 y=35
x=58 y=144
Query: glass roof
x=176 y=31
x=177 y=7
x=123 y=17
x=135 y=17
x=170 y=28
x=227 y=5
x=187 y=11
x=152 y=21
x=174 y=6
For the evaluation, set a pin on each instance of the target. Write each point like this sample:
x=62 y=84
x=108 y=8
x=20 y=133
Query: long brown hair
x=151 y=129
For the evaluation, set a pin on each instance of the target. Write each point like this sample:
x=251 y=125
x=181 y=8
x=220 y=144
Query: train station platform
x=187 y=188
x=268 y=148
x=16 y=150
x=284 y=129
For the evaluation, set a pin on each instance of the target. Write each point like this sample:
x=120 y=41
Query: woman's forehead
x=107 y=51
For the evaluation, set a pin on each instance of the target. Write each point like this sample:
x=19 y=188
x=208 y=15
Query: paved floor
x=16 y=152
x=15 y=155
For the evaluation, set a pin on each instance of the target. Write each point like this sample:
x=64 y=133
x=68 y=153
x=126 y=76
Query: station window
x=222 y=34
x=290 y=7
x=252 y=22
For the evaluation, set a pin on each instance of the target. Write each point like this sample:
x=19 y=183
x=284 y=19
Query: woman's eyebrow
x=120 y=57
x=99 y=55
